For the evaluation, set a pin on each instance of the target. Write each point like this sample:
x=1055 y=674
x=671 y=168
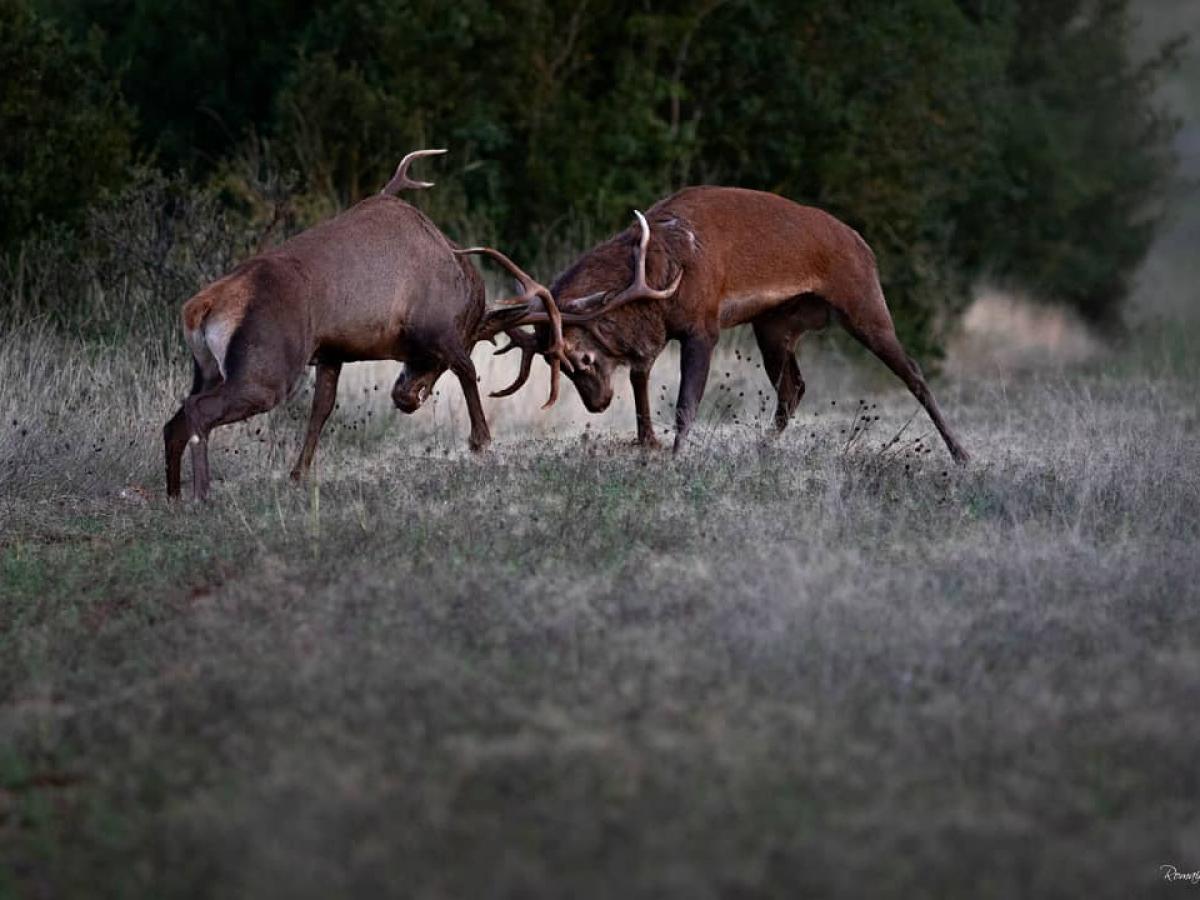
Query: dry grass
x=809 y=666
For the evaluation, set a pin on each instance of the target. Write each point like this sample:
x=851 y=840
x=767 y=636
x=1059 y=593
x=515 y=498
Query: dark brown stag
x=725 y=257
x=379 y=281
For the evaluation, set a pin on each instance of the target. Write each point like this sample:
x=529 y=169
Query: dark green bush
x=139 y=253
x=1015 y=139
x=65 y=132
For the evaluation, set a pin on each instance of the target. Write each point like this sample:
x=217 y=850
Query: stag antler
x=509 y=314
x=582 y=310
x=527 y=343
x=524 y=306
x=579 y=311
x=401 y=182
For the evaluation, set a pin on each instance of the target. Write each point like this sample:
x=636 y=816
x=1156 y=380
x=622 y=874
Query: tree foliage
x=64 y=130
x=1013 y=138
x=1084 y=153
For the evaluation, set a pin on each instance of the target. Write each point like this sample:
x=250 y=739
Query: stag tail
x=401 y=182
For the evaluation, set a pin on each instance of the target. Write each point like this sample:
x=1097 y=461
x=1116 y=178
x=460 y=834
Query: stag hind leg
x=324 y=397
x=871 y=325
x=231 y=401
x=779 y=361
x=777 y=343
x=175 y=432
x=696 y=358
x=259 y=367
x=778 y=332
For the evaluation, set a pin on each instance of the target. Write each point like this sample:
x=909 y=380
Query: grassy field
x=819 y=665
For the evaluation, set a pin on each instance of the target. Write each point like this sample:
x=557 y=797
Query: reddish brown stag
x=379 y=281
x=723 y=257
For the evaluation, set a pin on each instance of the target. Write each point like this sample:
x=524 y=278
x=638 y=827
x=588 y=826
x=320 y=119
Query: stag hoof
x=647 y=443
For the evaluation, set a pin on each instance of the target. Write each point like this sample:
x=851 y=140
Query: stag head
x=587 y=357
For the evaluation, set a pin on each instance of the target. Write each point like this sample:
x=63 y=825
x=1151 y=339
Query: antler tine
x=527 y=344
x=528 y=347
x=532 y=286
x=640 y=289
x=639 y=271
x=533 y=290
x=555 y=368
x=401 y=180
x=576 y=312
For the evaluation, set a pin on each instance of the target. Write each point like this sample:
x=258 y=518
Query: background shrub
x=1014 y=139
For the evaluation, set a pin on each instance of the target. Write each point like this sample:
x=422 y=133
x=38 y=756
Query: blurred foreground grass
x=808 y=666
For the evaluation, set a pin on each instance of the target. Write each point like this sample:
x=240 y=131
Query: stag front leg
x=697 y=351
x=464 y=370
x=640 y=379
x=324 y=397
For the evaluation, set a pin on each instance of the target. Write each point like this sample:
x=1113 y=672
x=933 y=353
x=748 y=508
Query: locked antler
x=537 y=306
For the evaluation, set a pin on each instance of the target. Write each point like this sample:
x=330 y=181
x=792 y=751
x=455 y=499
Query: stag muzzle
x=409 y=393
x=596 y=404
x=595 y=391
x=410 y=401
x=591 y=373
